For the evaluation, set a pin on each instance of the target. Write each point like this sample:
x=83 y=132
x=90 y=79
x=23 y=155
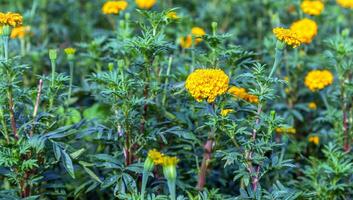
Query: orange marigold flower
x=10 y=19
x=186 y=42
x=312 y=106
x=225 y=112
x=241 y=93
x=114 y=7
x=198 y=32
x=345 y=3
x=312 y=7
x=287 y=36
x=145 y=4
x=306 y=29
x=314 y=139
x=20 y=32
x=207 y=84
x=318 y=79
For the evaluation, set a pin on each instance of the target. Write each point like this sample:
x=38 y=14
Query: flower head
x=289 y=130
x=241 y=93
x=186 y=42
x=114 y=7
x=172 y=15
x=70 y=51
x=345 y=3
x=312 y=7
x=198 y=32
x=207 y=84
x=156 y=156
x=145 y=4
x=314 y=139
x=20 y=32
x=288 y=36
x=169 y=167
x=306 y=29
x=225 y=112
x=10 y=19
x=318 y=79
x=312 y=106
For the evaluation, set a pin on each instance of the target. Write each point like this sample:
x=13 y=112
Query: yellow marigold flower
x=19 y=32
x=10 y=19
x=306 y=29
x=198 y=32
x=145 y=4
x=170 y=161
x=207 y=84
x=114 y=7
x=241 y=93
x=225 y=112
x=314 y=139
x=70 y=51
x=312 y=7
x=156 y=156
x=345 y=3
x=186 y=42
x=172 y=15
x=312 y=106
x=318 y=79
x=289 y=130
x=288 y=36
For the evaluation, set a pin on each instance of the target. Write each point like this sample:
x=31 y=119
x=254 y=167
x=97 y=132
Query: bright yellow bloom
x=156 y=156
x=314 y=139
x=312 y=7
x=318 y=79
x=172 y=15
x=170 y=161
x=198 y=32
x=306 y=29
x=20 y=32
x=345 y=3
x=288 y=36
x=289 y=130
x=241 y=93
x=207 y=84
x=312 y=106
x=145 y=4
x=10 y=19
x=186 y=42
x=114 y=7
x=70 y=51
x=225 y=112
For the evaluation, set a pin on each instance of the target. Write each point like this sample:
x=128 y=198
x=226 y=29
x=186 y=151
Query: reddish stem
x=12 y=114
x=204 y=165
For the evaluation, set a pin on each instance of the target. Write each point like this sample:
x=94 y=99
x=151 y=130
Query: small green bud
x=110 y=66
x=53 y=55
x=148 y=165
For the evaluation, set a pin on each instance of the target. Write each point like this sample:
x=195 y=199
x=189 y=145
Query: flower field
x=176 y=99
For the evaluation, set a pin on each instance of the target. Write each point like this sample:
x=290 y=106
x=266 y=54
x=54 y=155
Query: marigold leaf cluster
x=207 y=84
x=114 y=7
x=287 y=36
x=312 y=7
x=241 y=93
x=318 y=79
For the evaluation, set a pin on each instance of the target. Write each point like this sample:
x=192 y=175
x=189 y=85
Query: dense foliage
x=176 y=99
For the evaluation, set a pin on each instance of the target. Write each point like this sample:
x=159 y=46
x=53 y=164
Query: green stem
x=3 y=123
x=23 y=46
x=167 y=81
x=6 y=47
x=71 y=65
x=144 y=183
x=278 y=57
x=53 y=66
x=171 y=187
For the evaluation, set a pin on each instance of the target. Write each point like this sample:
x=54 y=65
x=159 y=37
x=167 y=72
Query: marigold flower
x=241 y=93
x=172 y=15
x=306 y=29
x=312 y=7
x=70 y=51
x=225 y=112
x=186 y=42
x=345 y=3
x=145 y=4
x=207 y=84
x=156 y=156
x=169 y=167
x=114 y=7
x=314 y=139
x=20 y=32
x=288 y=36
x=318 y=79
x=289 y=130
x=312 y=106
x=10 y=19
x=198 y=32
